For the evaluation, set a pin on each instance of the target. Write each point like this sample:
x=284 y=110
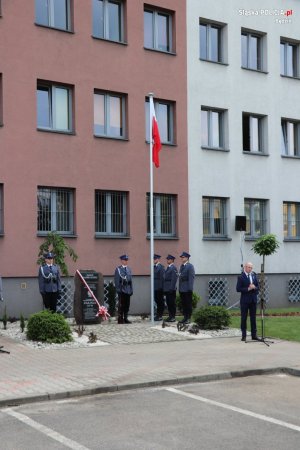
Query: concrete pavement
x=28 y=374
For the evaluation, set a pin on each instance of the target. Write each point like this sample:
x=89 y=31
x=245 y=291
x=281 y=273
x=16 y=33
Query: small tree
x=264 y=246
x=56 y=244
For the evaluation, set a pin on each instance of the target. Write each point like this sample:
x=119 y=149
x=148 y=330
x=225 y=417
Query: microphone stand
x=262 y=309
x=3 y=351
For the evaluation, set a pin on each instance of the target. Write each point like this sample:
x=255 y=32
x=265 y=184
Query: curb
x=13 y=402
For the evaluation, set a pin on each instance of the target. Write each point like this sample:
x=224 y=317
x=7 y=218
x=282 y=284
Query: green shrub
x=212 y=317
x=195 y=299
x=48 y=327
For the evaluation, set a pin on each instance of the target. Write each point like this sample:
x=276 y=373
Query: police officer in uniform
x=170 y=282
x=186 y=285
x=124 y=288
x=159 y=271
x=49 y=282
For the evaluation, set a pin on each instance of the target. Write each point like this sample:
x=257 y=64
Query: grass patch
x=281 y=327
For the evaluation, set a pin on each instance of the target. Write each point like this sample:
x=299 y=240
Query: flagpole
x=151 y=210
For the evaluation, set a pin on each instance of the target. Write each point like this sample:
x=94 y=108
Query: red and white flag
x=156 y=143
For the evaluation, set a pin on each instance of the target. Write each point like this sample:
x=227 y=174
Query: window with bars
x=291 y=220
x=289 y=58
x=108 y=20
x=164 y=215
x=214 y=212
x=255 y=212
x=109 y=114
x=290 y=137
x=1 y=210
x=54 y=107
x=164 y=112
x=55 y=210
x=158 y=30
x=53 y=14
x=111 y=213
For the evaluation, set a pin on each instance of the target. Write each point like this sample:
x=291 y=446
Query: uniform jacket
x=186 y=277
x=170 y=278
x=159 y=275
x=49 y=280
x=123 y=280
x=242 y=286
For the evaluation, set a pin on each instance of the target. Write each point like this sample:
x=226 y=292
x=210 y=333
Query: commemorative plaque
x=85 y=306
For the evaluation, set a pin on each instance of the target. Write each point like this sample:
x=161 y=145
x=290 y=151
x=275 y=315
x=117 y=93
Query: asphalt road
x=260 y=412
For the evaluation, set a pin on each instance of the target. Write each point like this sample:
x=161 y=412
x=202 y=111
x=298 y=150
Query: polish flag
x=156 y=144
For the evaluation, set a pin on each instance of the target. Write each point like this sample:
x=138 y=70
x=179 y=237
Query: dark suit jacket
x=242 y=287
x=170 y=280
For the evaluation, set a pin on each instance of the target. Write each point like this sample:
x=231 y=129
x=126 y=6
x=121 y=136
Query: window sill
x=98 y=136
x=220 y=63
x=160 y=238
x=252 y=238
x=170 y=144
x=291 y=239
x=246 y=152
x=65 y=236
x=54 y=28
x=255 y=70
x=290 y=77
x=49 y=130
x=290 y=156
x=110 y=236
x=217 y=149
x=216 y=238
x=159 y=51
x=109 y=40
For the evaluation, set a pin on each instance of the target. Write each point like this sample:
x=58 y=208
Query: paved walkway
x=147 y=357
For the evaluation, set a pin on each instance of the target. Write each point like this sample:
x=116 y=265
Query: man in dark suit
x=247 y=285
x=159 y=272
x=49 y=282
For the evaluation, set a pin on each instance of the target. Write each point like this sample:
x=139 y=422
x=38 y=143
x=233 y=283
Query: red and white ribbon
x=102 y=310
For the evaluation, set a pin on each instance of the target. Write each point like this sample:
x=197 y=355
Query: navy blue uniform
x=159 y=272
x=170 y=282
x=248 y=301
x=186 y=285
x=49 y=285
x=123 y=283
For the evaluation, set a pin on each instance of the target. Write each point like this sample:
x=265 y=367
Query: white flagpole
x=151 y=106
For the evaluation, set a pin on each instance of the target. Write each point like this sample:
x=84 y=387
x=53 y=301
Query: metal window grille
x=294 y=289
x=111 y=213
x=255 y=211
x=66 y=299
x=218 y=291
x=55 y=210
x=163 y=214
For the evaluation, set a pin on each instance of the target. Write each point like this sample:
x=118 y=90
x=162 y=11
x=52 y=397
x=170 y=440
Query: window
x=291 y=220
x=1 y=210
x=255 y=212
x=111 y=213
x=158 y=30
x=55 y=210
x=109 y=115
x=211 y=36
x=289 y=59
x=212 y=128
x=53 y=13
x=290 y=137
x=1 y=101
x=164 y=215
x=214 y=217
x=253 y=133
x=108 y=20
x=54 y=107
x=164 y=112
x=252 y=51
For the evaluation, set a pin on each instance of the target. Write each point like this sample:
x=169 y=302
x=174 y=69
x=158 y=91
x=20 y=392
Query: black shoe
x=243 y=339
x=127 y=321
x=158 y=319
x=170 y=319
x=255 y=338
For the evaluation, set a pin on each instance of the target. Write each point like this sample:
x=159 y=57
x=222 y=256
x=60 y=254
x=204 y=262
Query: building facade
x=74 y=137
x=243 y=61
